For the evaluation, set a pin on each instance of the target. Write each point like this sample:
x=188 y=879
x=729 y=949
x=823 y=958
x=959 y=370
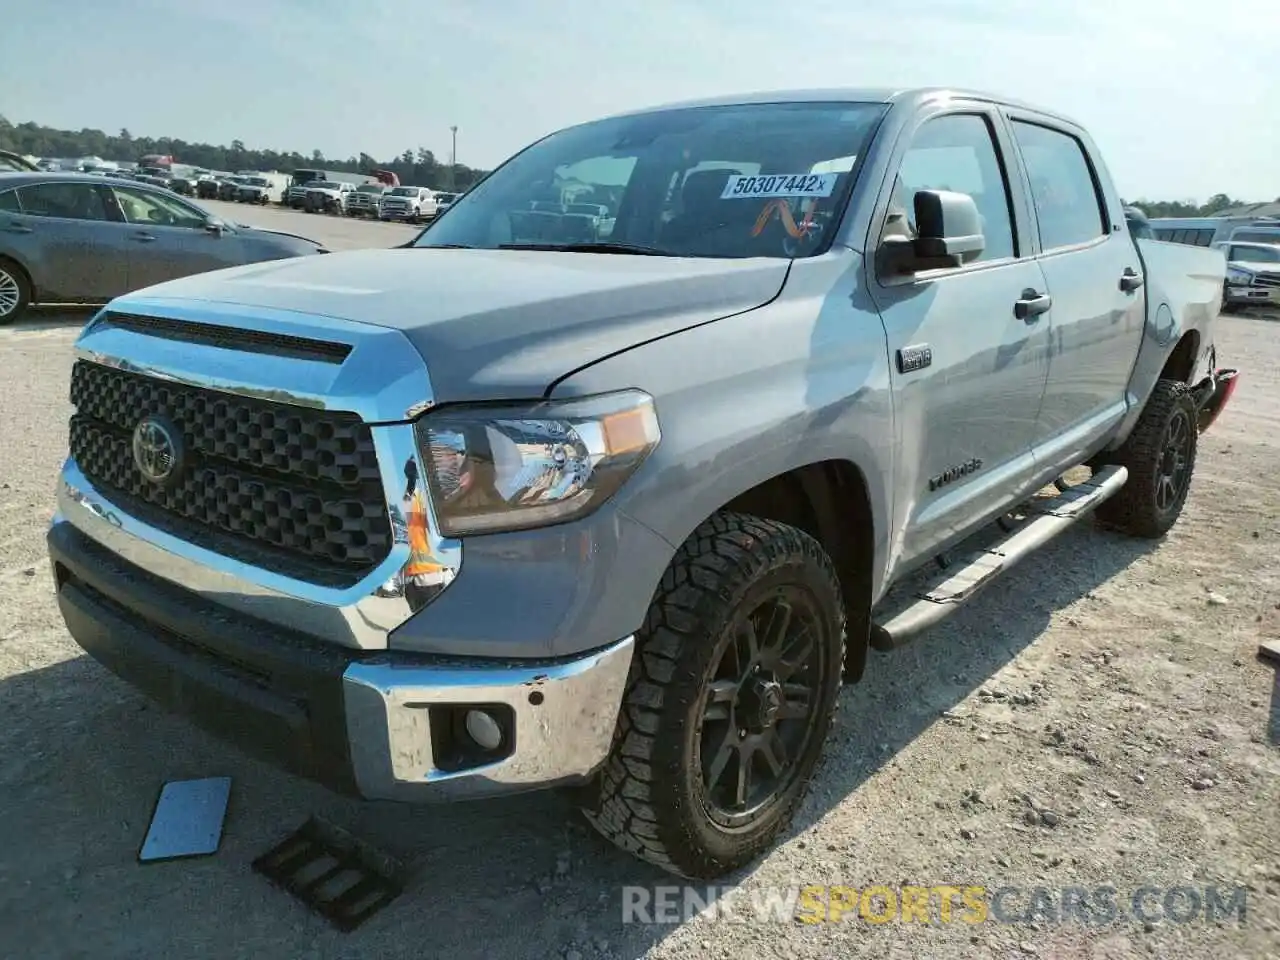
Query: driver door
x=167 y=238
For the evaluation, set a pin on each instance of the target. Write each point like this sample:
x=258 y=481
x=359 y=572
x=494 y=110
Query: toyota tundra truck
x=507 y=509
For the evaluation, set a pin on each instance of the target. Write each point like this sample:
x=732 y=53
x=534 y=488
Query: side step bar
x=963 y=580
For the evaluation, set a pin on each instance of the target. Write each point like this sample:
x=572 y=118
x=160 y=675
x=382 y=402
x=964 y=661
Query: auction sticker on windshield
x=772 y=185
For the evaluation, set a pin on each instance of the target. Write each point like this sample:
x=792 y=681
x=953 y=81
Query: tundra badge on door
x=952 y=474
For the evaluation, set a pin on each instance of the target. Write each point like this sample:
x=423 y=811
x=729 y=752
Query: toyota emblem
x=157 y=449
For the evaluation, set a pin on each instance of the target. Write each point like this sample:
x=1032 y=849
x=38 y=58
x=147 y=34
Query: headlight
x=1236 y=275
x=496 y=468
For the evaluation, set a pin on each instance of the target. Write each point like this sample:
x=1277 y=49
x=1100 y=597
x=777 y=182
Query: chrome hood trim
x=381 y=379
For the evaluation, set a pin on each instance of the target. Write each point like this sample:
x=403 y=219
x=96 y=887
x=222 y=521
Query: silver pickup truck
x=516 y=506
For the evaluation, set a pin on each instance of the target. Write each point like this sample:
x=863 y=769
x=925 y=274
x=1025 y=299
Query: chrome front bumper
x=1238 y=293
x=384 y=726
x=561 y=719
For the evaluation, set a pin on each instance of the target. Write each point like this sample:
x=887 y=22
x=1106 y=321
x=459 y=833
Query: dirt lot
x=1098 y=719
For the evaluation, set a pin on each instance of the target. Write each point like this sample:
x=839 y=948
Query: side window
x=1066 y=198
x=142 y=206
x=956 y=153
x=1238 y=253
x=67 y=200
x=9 y=202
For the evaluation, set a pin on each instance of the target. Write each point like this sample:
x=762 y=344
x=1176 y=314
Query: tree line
x=418 y=167
x=1216 y=204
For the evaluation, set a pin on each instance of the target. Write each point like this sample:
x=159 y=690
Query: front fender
x=801 y=380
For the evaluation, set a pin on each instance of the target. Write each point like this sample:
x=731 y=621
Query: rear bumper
x=376 y=725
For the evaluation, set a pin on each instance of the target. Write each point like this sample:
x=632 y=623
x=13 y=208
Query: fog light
x=484 y=730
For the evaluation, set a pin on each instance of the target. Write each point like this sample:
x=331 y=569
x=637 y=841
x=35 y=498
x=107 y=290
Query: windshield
x=1259 y=254
x=257 y=181
x=446 y=197
x=370 y=188
x=744 y=180
x=154 y=172
x=323 y=185
x=404 y=192
x=1256 y=236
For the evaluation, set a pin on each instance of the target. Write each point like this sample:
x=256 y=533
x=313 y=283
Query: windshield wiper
x=598 y=247
x=443 y=246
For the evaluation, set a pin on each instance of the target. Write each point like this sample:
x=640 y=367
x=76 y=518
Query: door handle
x=1031 y=305
x=1130 y=281
x=144 y=237
x=13 y=226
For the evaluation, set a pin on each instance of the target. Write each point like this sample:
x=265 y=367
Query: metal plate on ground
x=340 y=877
x=187 y=821
x=1270 y=650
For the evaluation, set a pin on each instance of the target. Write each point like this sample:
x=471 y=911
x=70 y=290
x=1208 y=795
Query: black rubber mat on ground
x=338 y=876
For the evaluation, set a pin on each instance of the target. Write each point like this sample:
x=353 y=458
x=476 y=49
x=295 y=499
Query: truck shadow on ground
x=82 y=757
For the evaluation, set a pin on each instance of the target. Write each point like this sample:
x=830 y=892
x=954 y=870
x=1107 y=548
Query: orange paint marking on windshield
x=783 y=209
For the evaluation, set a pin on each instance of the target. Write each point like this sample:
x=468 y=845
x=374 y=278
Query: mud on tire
x=1160 y=456
x=696 y=713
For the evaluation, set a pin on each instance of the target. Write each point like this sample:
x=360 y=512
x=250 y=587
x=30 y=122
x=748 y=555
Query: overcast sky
x=1183 y=96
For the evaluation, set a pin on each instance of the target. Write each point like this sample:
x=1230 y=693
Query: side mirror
x=948 y=234
x=215 y=226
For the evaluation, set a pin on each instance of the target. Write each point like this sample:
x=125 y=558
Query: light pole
x=453 y=161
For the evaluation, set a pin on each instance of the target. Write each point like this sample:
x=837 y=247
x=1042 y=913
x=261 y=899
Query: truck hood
x=1255 y=266
x=252 y=231
x=496 y=324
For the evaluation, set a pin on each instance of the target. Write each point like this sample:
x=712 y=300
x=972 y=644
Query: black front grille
x=271 y=484
x=1267 y=279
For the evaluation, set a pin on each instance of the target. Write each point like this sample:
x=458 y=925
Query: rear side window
x=9 y=202
x=68 y=200
x=1067 y=201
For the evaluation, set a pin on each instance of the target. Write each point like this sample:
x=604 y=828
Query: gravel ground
x=1099 y=718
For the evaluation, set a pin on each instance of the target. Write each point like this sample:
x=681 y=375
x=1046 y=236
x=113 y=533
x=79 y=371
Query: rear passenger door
x=968 y=372
x=62 y=235
x=1095 y=278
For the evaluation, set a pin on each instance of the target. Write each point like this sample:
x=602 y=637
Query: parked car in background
x=263 y=188
x=444 y=201
x=1253 y=275
x=328 y=196
x=207 y=187
x=11 y=162
x=366 y=200
x=155 y=176
x=80 y=238
x=229 y=186
x=184 y=185
x=412 y=204
x=296 y=194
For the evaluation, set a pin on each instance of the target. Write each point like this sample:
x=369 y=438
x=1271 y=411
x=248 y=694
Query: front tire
x=15 y=292
x=734 y=681
x=1160 y=456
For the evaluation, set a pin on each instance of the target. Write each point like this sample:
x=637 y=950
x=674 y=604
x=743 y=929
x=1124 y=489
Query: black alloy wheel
x=758 y=709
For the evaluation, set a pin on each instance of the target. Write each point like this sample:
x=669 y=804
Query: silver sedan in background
x=75 y=238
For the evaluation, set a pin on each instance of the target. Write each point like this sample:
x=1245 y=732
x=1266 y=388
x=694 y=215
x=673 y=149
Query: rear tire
x=737 y=668
x=1160 y=456
x=15 y=292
